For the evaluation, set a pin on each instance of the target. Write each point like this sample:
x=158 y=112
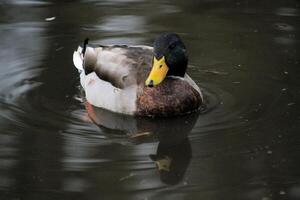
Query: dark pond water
x=245 y=145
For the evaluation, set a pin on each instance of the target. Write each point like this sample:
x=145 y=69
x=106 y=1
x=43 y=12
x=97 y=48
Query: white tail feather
x=78 y=59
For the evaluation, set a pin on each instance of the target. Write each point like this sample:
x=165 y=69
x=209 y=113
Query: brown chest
x=172 y=97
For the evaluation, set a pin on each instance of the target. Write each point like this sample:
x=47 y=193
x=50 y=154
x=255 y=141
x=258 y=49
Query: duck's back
x=120 y=65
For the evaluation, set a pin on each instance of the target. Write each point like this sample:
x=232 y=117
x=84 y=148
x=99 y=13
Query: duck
x=139 y=80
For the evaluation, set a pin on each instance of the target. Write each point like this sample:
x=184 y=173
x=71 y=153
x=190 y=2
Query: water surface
x=244 y=145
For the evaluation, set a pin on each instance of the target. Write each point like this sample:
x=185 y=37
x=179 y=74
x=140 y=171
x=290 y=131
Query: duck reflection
x=173 y=153
x=172 y=160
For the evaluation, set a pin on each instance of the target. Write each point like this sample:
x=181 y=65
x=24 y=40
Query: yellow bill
x=158 y=72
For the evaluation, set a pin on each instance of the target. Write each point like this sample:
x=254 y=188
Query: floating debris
x=269 y=152
x=48 y=19
x=286 y=73
x=282 y=192
x=283 y=89
x=292 y=103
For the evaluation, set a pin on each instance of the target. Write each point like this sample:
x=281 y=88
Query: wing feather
x=119 y=65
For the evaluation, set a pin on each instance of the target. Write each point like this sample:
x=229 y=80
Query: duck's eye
x=160 y=66
x=172 y=46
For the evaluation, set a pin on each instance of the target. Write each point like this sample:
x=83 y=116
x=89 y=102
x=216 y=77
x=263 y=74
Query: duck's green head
x=170 y=59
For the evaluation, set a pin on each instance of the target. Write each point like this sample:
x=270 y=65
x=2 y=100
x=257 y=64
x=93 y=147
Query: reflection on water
x=244 y=145
x=174 y=150
x=172 y=160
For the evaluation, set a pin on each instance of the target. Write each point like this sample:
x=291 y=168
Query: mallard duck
x=139 y=80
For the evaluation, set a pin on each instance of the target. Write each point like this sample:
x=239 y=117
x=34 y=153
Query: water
x=244 y=145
